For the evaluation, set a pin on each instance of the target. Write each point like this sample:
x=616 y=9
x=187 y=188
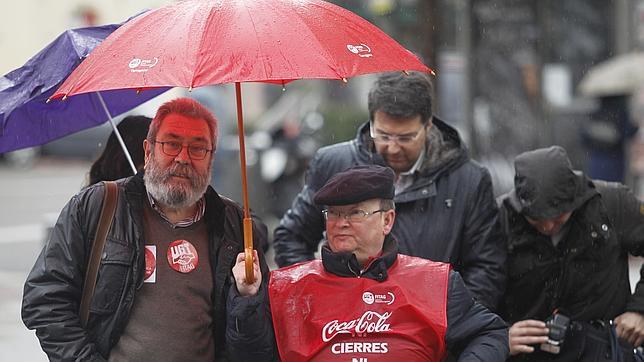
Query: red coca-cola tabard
x=319 y=316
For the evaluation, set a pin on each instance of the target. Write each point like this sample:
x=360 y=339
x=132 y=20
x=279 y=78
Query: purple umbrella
x=26 y=119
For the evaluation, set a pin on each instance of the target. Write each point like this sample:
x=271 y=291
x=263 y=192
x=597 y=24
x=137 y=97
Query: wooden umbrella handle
x=248 y=222
x=248 y=249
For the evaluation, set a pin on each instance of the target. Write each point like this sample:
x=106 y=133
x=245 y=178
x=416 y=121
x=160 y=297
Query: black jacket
x=449 y=213
x=52 y=291
x=586 y=275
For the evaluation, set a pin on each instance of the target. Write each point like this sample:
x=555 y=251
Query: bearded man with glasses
x=165 y=269
x=445 y=204
x=364 y=301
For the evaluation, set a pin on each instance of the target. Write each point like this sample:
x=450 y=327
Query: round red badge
x=150 y=263
x=182 y=256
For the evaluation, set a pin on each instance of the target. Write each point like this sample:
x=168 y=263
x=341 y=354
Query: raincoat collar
x=346 y=264
x=444 y=149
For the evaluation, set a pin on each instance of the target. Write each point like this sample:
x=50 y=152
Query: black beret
x=357 y=184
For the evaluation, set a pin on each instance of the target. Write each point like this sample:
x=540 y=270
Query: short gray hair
x=387 y=204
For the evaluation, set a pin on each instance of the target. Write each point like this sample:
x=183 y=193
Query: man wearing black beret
x=445 y=207
x=364 y=301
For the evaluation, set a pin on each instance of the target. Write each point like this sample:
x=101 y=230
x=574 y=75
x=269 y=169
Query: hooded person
x=568 y=244
x=364 y=301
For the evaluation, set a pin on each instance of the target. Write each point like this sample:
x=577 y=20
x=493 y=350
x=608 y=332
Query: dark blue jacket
x=449 y=214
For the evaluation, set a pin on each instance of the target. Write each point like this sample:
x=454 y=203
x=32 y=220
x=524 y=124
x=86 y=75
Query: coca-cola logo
x=369 y=322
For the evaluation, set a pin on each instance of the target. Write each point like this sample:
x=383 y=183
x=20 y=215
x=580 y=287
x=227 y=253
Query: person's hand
x=239 y=272
x=630 y=327
x=525 y=333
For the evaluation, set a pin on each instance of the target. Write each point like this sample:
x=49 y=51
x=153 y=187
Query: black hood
x=546 y=186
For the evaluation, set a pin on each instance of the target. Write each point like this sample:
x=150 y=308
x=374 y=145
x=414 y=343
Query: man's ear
x=147 y=149
x=388 y=221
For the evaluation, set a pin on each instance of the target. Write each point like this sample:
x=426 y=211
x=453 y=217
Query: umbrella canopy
x=620 y=75
x=26 y=119
x=195 y=43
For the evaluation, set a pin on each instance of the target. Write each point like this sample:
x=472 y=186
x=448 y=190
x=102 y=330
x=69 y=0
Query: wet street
x=30 y=200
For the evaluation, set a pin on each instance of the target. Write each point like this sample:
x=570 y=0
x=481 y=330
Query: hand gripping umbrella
x=27 y=120
x=195 y=43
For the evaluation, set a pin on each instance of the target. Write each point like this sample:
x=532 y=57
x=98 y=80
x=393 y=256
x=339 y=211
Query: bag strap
x=105 y=221
x=616 y=350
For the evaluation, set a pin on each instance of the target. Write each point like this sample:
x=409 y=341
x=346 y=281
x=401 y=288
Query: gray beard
x=175 y=196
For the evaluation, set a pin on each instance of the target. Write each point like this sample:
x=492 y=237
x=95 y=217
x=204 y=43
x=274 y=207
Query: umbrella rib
x=257 y=37
x=201 y=43
x=68 y=37
x=80 y=76
x=341 y=13
x=87 y=67
x=327 y=55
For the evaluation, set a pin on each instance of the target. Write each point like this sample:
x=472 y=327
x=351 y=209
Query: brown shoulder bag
x=104 y=223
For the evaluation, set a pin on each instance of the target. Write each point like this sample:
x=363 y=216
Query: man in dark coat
x=444 y=201
x=363 y=300
x=165 y=270
x=568 y=244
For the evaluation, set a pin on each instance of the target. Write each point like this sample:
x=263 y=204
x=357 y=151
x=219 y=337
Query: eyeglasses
x=404 y=139
x=356 y=215
x=172 y=148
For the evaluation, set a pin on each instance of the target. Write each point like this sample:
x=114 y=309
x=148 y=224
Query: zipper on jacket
x=351 y=270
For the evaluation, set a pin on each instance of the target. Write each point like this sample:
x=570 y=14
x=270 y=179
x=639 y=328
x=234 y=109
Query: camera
x=557 y=326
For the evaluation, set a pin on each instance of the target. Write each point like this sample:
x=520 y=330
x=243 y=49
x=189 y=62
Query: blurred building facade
x=28 y=25
x=508 y=70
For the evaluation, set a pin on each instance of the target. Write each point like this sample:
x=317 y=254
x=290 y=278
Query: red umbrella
x=198 y=42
